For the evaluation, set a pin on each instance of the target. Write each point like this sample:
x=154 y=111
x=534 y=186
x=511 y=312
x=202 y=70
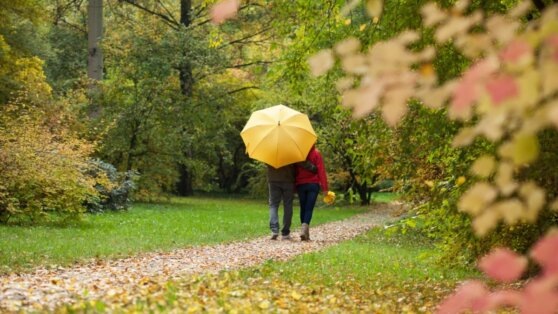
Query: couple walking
x=307 y=178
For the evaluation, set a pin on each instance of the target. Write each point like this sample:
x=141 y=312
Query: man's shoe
x=274 y=236
x=286 y=237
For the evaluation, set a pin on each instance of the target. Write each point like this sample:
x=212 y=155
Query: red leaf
x=464 y=95
x=467 y=92
x=545 y=253
x=502 y=87
x=224 y=10
x=503 y=265
x=502 y=298
x=515 y=50
x=540 y=296
x=469 y=293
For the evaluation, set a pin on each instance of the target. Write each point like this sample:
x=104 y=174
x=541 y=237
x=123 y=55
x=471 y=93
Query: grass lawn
x=370 y=258
x=178 y=223
x=373 y=273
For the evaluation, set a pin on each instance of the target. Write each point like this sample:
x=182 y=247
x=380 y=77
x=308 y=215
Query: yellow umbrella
x=278 y=136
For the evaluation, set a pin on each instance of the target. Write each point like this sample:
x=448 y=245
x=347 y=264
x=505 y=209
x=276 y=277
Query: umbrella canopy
x=278 y=136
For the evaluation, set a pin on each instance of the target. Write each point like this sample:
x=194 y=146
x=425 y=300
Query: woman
x=310 y=178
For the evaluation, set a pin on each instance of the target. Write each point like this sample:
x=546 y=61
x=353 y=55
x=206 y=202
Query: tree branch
x=241 y=40
x=242 y=65
x=169 y=21
x=169 y=13
x=234 y=91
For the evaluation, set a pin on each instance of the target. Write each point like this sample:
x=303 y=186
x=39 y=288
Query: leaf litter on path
x=131 y=278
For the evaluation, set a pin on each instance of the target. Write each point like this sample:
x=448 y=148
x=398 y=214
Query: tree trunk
x=95 y=55
x=184 y=186
x=94 y=35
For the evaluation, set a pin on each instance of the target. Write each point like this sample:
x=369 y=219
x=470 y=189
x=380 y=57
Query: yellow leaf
x=344 y=83
x=464 y=137
x=534 y=197
x=321 y=62
x=525 y=149
x=485 y=222
x=347 y=46
x=549 y=78
x=295 y=295
x=264 y=305
x=477 y=198
x=427 y=69
x=374 y=7
x=504 y=178
x=484 y=166
x=354 y=64
x=506 y=150
x=511 y=210
x=431 y=14
x=392 y=113
x=553 y=113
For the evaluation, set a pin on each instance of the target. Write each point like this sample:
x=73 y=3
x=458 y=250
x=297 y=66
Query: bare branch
x=243 y=40
x=169 y=13
x=242 y=89
x=236 y=66
x=169 y=21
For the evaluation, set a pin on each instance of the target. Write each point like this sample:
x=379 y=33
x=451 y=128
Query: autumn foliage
x=507 y=97
x=44 y=167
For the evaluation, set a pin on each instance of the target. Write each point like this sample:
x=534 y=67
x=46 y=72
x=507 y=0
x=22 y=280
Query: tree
x=94 y=36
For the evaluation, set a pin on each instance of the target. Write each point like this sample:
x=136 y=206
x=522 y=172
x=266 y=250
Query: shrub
x=115 y=193
x=43 y=169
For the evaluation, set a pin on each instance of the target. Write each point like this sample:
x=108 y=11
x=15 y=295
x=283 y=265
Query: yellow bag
x=329 y=198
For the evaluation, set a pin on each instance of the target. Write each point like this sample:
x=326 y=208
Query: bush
x=44 y=170
x=114 y=194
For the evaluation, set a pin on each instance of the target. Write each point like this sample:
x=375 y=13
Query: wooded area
x=101 y=101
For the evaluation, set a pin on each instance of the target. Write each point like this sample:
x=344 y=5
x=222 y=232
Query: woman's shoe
x=305 y=232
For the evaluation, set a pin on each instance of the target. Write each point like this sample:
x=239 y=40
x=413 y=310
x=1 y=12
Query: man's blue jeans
x=307 y=195
x=280 y=191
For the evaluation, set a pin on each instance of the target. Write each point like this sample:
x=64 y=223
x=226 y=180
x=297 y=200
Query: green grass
x=384 y=197
x=180 y=222
x=373 y=256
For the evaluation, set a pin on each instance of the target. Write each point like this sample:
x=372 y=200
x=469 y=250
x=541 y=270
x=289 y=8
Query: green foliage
x=20 y=42
x=65 y=68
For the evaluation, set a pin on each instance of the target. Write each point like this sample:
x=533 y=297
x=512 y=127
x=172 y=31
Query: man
x=281 y=187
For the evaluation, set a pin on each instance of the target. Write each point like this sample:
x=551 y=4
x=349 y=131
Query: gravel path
x=48 y=288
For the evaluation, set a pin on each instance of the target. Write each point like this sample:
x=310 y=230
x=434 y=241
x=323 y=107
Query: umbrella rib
x=264 y=138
